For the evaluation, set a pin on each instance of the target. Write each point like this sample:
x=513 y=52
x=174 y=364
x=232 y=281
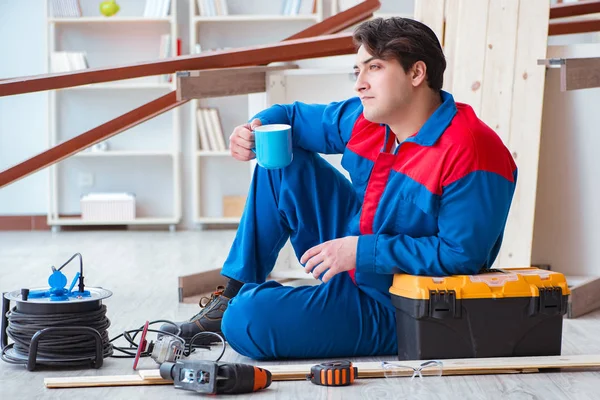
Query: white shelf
x=207 y=153
x=124 y=153
x=145 y=160
x=217 y=220
x=215 y=174
x=121 y=86
x=257 y=18
x=109 y=20
x=138 y=221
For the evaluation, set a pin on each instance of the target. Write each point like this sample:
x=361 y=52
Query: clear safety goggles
x=428 y=368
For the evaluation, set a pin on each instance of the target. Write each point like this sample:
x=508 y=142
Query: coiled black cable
x=56 y=348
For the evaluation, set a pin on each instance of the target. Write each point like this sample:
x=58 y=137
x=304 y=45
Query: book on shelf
x=212 y=8
x=65 y=8
x=210 y=130
x=65 y=61
x=157 y=8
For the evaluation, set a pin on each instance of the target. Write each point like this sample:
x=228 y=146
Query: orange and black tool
x=335 y=373
x=215 y=377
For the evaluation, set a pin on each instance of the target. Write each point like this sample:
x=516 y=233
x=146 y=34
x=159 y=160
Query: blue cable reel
x=55 y=311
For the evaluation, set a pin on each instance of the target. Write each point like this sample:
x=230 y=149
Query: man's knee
x=246 y=323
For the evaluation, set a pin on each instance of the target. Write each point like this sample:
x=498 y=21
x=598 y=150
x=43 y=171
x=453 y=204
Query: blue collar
x=433 y=128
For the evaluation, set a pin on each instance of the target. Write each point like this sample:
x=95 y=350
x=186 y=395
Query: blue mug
x=273 y=145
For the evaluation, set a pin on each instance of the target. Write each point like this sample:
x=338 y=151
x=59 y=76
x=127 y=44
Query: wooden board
x=525 y=130
x=585 y=297
x=492 y=49
x=580 y=73
x=431 y=14
x=366 y=370
x=101 y=381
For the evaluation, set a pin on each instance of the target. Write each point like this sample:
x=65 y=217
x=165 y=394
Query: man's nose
x=360 y=83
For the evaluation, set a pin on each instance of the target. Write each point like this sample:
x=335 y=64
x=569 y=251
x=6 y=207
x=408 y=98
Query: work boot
x=207 y=320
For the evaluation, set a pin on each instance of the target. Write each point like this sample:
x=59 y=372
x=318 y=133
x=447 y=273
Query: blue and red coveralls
x=434 y=205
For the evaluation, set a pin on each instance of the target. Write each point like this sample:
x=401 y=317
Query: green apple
x=109 y=8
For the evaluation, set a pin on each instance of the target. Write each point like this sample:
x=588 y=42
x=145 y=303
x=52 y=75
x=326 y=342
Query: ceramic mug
x=273 y=145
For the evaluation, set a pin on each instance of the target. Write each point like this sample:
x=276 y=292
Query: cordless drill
x=215 y=377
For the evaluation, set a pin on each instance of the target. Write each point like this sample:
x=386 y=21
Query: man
x=430 y=194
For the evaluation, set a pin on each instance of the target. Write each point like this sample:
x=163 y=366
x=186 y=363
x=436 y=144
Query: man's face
x=383 y=87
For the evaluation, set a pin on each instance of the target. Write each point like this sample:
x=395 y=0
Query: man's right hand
x=241 y=141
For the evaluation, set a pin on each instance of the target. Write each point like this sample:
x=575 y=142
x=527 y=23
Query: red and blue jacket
x=435 y=205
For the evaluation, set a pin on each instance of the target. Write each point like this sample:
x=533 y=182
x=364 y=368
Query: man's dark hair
x=406 y=40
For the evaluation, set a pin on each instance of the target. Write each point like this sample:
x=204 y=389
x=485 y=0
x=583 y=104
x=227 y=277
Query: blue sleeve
x=471 y=221
x=322 y=128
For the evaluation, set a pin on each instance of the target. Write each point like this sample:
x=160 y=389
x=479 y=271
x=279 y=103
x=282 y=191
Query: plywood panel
x=431 y=13
x=525 y=128
x=449 y=41
x=469 y=52
x=497 y=88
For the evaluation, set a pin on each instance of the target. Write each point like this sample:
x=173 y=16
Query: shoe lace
x=205 y=302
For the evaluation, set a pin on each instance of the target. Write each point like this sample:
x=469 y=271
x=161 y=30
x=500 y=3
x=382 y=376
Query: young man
x=430 y=194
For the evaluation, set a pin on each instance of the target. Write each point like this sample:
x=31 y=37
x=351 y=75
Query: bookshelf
x=83 y=37
x=216 y=175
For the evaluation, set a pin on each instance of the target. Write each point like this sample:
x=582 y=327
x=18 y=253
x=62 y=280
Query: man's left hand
x=333 y=256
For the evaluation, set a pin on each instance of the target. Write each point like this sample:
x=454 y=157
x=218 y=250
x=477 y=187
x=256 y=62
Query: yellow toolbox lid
x=514 y=282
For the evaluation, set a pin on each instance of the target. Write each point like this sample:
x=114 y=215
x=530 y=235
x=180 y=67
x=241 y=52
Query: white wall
x=23 y=118
x=567 y=221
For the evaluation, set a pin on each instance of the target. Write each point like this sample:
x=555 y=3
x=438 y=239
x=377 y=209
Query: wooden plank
x=100 y=381
x=569 y=27
x=291 y=50
x=367 y=370
x=153 y=375
x=469 y=52
x=431 y=14
x=498 y=76
x=340 y=21
x=449 y=42
x=200 y=283
x=466 y=366
x=580 y=73
x=584 y=298
x=571 y=9
x=89 y=138
x=224 y=82
x=525 y=130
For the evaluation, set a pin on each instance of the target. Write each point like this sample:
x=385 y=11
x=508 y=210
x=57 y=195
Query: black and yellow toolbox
x=498 y=313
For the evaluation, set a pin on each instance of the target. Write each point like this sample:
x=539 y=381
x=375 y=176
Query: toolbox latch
x=442 y=304
x=552 y=301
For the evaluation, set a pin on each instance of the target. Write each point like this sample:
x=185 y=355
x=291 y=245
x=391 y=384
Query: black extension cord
x=66 y=348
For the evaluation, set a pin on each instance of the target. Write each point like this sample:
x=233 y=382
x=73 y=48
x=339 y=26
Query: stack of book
x=65 y=8
x=157 y=8
x=210 y=131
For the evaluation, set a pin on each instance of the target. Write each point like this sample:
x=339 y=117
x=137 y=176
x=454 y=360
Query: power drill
x=215 y=377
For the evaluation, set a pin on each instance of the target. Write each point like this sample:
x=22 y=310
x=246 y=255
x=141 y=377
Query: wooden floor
x=141 y=269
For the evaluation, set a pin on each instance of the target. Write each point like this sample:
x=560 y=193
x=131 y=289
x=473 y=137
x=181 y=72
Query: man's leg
x=308 y=202
x=334 y=319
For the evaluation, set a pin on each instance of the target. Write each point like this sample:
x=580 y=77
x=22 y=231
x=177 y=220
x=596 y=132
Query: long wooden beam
x=147 y=111
x=569 y=27
x=366 y=370
x=95 y=135
x=581 y=7
x=298 y=49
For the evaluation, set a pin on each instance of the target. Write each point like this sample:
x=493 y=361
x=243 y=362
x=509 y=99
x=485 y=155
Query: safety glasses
x=428 y=368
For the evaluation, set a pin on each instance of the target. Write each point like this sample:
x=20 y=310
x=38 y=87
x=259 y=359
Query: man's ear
x=418 y=73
